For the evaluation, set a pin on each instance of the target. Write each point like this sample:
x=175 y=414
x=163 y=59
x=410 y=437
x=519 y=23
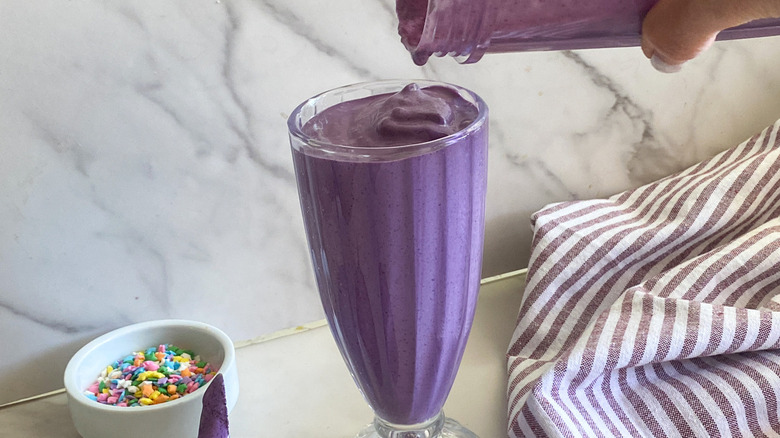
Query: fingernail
x=662 y=66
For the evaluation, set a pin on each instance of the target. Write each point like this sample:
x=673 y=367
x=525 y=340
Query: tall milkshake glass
x=396 y=235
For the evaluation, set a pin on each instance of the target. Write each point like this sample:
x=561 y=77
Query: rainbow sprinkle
x=150 y=377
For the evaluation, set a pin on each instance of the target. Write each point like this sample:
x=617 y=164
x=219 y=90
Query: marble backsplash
x=145 y=170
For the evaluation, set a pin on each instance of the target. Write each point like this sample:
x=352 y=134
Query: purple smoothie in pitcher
x=395 y=225
x=467 y=29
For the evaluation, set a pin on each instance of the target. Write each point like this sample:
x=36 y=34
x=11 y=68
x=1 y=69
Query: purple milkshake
x=392 y=188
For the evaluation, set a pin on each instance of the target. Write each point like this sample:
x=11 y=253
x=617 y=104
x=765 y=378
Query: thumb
x=676 y=31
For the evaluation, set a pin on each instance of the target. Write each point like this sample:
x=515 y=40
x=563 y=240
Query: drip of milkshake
x=214 y=421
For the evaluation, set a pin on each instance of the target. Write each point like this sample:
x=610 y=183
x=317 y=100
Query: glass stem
x=427 y=429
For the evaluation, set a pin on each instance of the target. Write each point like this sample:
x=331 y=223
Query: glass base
x=439 y=427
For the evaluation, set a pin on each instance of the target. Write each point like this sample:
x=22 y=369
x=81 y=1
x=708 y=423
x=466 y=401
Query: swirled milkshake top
x=412 y=115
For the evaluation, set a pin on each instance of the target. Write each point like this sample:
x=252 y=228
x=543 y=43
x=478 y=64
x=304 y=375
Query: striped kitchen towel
x=656 y=312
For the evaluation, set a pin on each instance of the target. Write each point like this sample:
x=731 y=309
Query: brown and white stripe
x=656 y=312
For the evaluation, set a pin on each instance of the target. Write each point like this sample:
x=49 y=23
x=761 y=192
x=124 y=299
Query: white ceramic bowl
x=181 y=417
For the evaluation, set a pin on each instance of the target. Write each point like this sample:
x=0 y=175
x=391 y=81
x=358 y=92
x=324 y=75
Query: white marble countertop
x=296 y=385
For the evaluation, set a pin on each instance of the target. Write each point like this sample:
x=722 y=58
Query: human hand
x=676 y=31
